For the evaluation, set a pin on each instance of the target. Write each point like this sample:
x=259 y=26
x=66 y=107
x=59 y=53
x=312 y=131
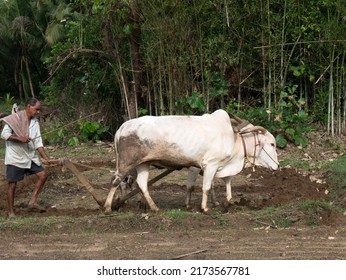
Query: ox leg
x=213 y=196
x=191 y=179
x=227 y=181
x=207 y=183
x=142 y=181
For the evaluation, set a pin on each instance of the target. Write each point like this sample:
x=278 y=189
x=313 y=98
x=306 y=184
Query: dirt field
x=274 y=215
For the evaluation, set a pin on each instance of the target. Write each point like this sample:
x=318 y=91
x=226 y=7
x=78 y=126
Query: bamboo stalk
x=300 y=42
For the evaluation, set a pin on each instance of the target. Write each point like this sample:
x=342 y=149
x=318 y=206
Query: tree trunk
x=17 y=80
x=29 y=76
x=136 y=98
x=111 y=45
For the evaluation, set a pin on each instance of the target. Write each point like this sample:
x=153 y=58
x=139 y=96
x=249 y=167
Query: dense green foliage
x=277 y=63
x=336 y=178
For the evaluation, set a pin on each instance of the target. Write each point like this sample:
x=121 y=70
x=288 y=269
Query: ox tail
x=116 y=150
x=115 y=186
x=117 y=179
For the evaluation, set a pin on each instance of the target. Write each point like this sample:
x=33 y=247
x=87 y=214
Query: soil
x=284 y=214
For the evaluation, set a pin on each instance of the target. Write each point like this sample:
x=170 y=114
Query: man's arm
x=43 y=154
x=21 y=139
x=7 y=134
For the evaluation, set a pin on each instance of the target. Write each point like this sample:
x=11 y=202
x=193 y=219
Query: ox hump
x=222 y=115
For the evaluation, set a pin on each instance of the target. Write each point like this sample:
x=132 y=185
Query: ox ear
x=258 y=129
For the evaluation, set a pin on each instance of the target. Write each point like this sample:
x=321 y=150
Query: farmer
x=22 y=137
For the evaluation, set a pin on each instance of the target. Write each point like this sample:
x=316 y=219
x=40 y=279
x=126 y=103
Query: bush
x=86 y=131
x=292 y=121
x=91 y=131
x=289 y=122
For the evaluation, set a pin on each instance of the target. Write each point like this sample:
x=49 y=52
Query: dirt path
x=229 y=243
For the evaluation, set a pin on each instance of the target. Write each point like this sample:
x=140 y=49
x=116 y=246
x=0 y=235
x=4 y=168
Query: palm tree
x=51 y=17
x=25 y=29
x=22 y=41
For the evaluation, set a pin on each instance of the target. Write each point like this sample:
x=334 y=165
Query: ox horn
x=239 y=123
x=243 y=124
x=259 y=129
x=236 y=119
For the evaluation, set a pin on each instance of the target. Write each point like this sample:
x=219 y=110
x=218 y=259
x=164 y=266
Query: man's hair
x=31 y=101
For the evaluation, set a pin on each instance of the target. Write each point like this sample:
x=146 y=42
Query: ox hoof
x=205 y=211
x=108 y=211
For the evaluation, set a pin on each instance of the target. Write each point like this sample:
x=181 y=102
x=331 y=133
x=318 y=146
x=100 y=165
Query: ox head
x=259 y=144
x=260 y=147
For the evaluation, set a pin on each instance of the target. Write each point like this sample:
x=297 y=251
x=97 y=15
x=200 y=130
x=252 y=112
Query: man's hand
x=25 y=139
x=46 y=161
x=22 y=139
x=49 y=161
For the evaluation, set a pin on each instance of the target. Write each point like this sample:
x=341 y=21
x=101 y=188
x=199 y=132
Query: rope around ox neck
x=255 y=148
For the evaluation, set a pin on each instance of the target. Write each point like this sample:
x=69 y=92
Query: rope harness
x=256 y=143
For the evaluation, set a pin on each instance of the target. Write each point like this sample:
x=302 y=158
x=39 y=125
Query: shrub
x=91 y=131
x=291 y=118
x=289 y=122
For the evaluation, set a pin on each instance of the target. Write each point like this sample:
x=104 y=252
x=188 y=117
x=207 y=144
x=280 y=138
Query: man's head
x=32 y=107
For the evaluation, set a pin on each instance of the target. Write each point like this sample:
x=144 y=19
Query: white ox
x=207 y=142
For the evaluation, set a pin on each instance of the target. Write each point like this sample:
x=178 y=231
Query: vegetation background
x=280 y=64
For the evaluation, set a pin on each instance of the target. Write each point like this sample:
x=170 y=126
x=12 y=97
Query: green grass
x=314 y=210
x=305 y=165
x=273 y=216
x=284 y=222
x=271 y=210
x=183 y=178
x=35 y=225
x=313 y=205
x=335 y=174
x=313 y=223
x=177 y=214
x=296 y=163
x=336 y=171
x=338 y=165
x=19 y=223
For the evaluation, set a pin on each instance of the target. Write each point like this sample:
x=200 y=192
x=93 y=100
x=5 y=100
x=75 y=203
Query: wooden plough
x=69 y=165
x=99 y=199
